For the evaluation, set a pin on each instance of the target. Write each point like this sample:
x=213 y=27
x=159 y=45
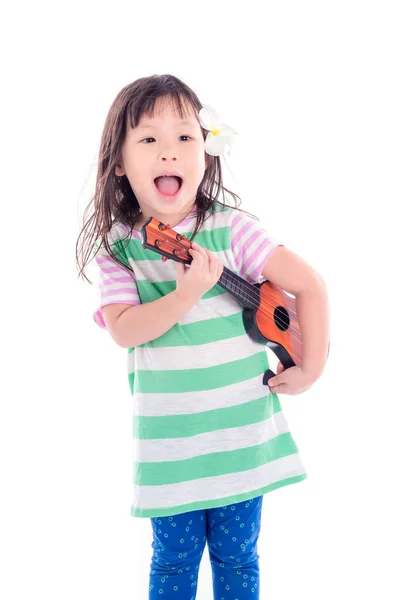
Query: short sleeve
x=251 y=246
x=116 y=284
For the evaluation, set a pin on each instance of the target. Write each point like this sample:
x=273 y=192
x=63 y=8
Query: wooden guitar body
x=275 y=324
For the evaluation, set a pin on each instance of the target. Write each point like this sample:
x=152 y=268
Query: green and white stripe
x=207 y=432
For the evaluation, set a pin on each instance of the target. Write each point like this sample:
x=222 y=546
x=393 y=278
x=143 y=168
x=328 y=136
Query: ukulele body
x=275 y=324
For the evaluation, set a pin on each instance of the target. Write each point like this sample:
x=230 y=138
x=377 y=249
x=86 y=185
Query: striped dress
x=206 y=431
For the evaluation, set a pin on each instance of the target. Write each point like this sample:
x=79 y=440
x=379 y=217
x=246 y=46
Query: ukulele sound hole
x=281 y=318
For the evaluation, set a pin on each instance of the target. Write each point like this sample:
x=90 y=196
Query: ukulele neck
x=247 y=294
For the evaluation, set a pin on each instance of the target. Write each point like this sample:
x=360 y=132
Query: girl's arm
x=132 y=326
x=292 y=274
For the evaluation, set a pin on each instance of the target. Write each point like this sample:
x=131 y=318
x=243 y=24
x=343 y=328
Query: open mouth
x=168 y=185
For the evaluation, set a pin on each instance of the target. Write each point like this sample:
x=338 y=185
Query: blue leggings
x=231 y=533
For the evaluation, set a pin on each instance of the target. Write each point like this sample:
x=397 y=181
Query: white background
x=313 y=90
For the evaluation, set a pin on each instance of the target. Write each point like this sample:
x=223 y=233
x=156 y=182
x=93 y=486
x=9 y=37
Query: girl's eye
x=151 y=138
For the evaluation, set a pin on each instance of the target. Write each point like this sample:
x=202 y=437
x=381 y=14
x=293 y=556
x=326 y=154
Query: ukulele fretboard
x=247 y=294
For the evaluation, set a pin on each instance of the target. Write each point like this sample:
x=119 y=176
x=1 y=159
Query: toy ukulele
x=269 y=314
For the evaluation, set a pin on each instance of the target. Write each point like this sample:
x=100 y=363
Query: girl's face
x=165 y=142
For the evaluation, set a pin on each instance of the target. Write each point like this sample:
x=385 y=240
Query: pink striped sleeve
x=117 y=285
x=251 y=246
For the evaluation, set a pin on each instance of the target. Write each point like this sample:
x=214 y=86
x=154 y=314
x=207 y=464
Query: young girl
x=209 y=437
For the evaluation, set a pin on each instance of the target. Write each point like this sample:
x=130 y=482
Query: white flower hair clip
x=220 y=137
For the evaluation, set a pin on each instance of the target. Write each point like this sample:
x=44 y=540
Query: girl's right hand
x=203 y=273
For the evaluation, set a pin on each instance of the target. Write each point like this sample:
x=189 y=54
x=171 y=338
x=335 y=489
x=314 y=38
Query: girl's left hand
x=290 y=381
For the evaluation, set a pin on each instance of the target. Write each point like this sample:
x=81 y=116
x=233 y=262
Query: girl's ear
x=119 y=170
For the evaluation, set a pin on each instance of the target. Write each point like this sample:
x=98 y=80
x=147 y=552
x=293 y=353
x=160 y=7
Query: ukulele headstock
x=165 y=241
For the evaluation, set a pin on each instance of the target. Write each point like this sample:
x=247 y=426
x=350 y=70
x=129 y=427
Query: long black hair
x=114 y=199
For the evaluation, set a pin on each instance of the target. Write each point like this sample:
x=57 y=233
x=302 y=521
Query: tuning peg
x=161 y=227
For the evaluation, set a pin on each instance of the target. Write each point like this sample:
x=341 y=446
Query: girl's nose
x=169 y=152
x=168 y=156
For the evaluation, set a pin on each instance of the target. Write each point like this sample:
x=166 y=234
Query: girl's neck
x=172 y=221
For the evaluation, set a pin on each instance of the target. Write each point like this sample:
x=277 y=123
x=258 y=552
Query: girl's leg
x=178 y=544
x=232 y=536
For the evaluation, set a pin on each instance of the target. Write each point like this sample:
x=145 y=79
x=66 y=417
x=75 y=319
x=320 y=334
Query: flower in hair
x=220 y=136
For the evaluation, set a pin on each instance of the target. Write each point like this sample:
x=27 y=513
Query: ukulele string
x=252 y=295
x=254 y=291
x=276 y=318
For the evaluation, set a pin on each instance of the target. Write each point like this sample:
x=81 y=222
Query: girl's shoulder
x=219 y=216
x=118 y=231
x=228 y=216
x=117 y=236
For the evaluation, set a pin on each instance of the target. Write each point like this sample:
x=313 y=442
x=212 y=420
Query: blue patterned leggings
x=231 y=533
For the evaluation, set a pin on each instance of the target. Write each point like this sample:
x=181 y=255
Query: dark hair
x=114 y=199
